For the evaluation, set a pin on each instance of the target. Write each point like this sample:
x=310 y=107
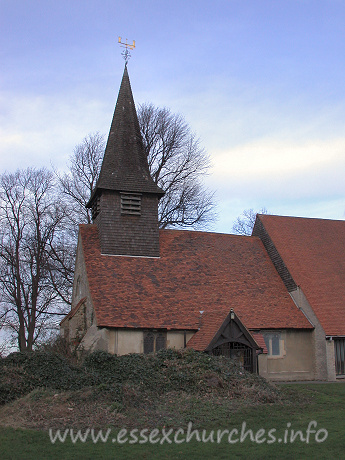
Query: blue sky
x=262 y=83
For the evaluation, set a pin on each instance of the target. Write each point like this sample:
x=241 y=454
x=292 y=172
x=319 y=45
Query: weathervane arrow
x=126 y=53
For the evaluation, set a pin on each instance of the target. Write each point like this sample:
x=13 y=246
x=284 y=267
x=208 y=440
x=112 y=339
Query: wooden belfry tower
x=124 y=202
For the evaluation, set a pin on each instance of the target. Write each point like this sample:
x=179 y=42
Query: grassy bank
x=326 y=406
x=152 y=405
x=169 y=388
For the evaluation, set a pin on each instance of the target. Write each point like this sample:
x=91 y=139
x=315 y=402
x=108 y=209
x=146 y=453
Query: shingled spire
x=125 y=200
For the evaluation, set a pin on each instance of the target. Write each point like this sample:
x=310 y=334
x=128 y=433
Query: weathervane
x=125 y=53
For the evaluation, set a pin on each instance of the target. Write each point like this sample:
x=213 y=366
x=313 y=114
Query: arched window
x=149 y=342
x=160 y=341
x=154 y=341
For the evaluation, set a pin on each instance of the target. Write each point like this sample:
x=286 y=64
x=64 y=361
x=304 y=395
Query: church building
x=274 y=301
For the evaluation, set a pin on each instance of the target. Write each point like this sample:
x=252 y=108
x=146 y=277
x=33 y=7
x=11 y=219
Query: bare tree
x=3 y=342
x=244 y=224
x=178 y=165
x=78 y=183
x=75 y=188
x=31 y=217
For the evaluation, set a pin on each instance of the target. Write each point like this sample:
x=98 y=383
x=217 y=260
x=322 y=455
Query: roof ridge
x=202 y=232
x=301 y=217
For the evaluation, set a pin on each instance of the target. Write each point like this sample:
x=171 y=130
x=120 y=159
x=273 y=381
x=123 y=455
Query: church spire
x=125 y=200
x=125 y=166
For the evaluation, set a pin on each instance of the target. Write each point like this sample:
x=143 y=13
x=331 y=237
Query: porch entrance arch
x=241 y=353
x=234 y=341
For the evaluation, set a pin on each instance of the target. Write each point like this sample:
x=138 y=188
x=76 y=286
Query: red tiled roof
x=209 y=324
x=314 y=252
x=197 y=271
x=259 y=339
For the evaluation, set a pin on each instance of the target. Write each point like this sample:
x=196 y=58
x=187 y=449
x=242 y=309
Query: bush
x=132 y=376
x=22 y=372
x=60 y=346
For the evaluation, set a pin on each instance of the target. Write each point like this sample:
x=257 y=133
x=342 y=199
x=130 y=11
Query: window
x=154 y=341
x=160 y=341
x=149 y=342
x=131 y=203
x=339 y=352
x=274 y=343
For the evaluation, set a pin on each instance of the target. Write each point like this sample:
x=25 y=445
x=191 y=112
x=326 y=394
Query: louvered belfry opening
x=131 y=203
x=95 y=209
x=124 y=202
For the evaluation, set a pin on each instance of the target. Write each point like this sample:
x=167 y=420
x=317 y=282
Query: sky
x=261 y=83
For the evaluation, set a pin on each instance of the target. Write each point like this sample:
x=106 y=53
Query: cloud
x=37 y=130
x=282 y=168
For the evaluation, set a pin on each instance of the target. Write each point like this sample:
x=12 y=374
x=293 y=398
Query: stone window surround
x=269 y=336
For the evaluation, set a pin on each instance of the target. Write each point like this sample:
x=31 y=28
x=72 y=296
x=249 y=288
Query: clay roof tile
x=197 y=271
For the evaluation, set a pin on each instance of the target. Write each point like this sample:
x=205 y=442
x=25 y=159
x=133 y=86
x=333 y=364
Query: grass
x=323 y=403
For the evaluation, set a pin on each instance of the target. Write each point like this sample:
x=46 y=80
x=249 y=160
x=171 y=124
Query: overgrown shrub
x=60 y=346
x=129 y=377
x=22 y=372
